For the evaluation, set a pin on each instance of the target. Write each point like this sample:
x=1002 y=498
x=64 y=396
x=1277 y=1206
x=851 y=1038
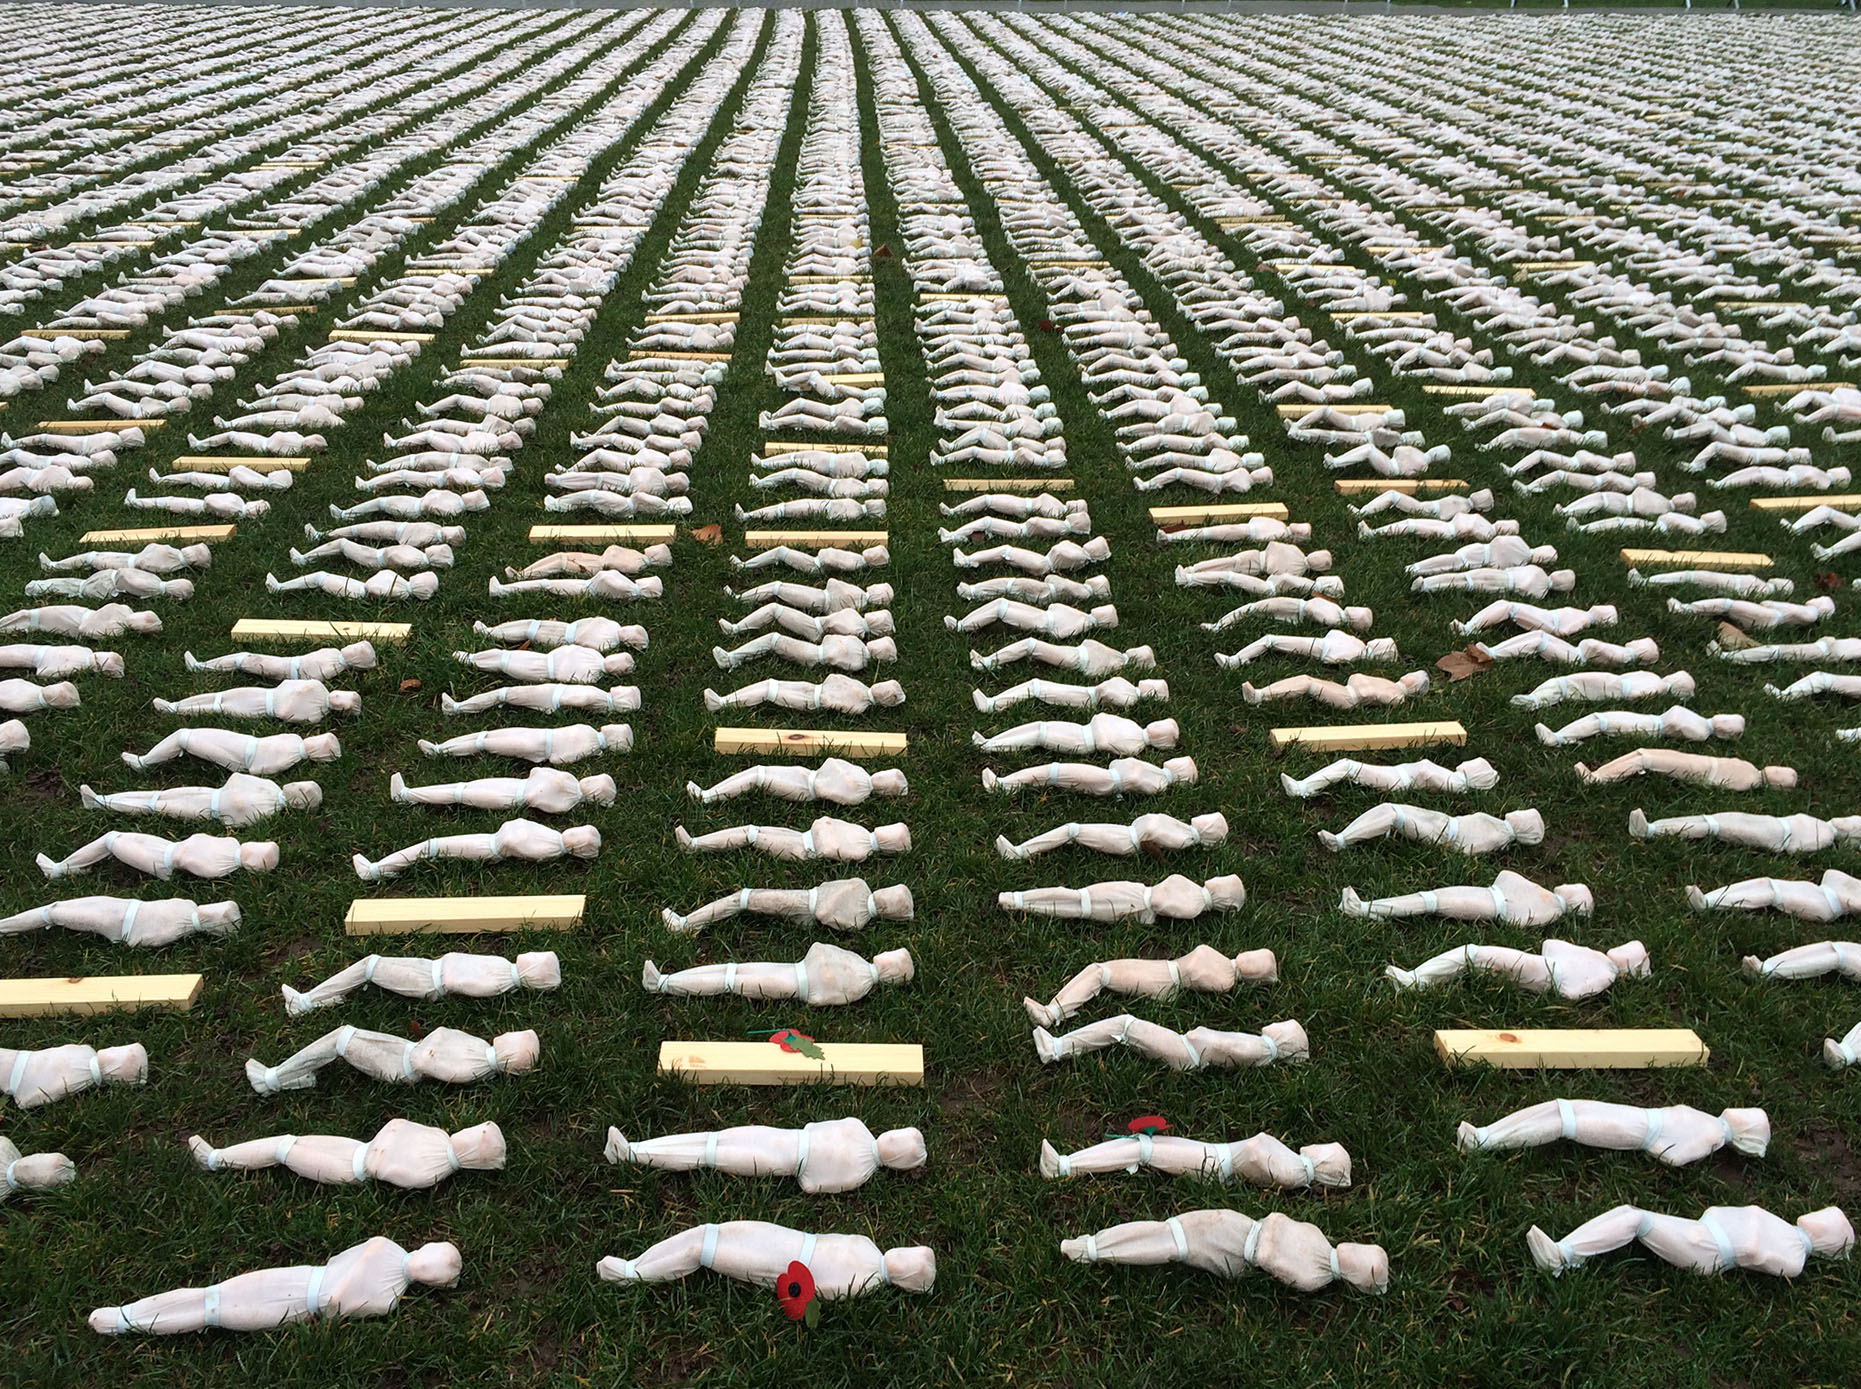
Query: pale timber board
x=215 y=463
x=457 y=916
x=764 y=1063
x=814 y=540
x=1572 y=1048
x=1698 y=559
x=1345 y=737
x=1770 y=388
x=111 y=426
x=124 y=993
x=84 y=334
x=1841 y=501
x=1215 y=513
x=603 y=535
x=297 y=629
x=138 y=534
x=856 y=378
x=807 y=742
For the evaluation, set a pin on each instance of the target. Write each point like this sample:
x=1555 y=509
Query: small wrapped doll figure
x=757 y=1252
x=1203 y=970
x=1676 y=1135
x=1259 y=1161
x=364 y=1281
x=1723 y=1238
x=825 y=976
x=826 y=1156
x=840 y=904
x=1559 y=968
x=402 y=1154
x=1228 y=1243
x=466 y=976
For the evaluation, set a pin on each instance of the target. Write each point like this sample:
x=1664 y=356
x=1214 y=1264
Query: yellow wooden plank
x=84 y=334
x=295 y=629
x=1408 y=486
x=856 y=378
x=225 y=463
x=456 y=916
x=1345 y=737
x=764 y=1063
x=1697 y=559
x=1343 y=407
x=116 y=993
x=846 y=540
x=1008 y=484
x=1841 y=501
x=138 y=534
x=775 y=446
x=1572 y=1048
x=603 y=535
x=653 y=356
x=1775 y=388
x=1210 y=512
x=374 y=335
x=809 y=741
x=97 y=426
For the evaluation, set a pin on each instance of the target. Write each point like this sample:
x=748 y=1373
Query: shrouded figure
x=826 y=838
x=323 y=664
x=239 y=752
x=755 y=1251
x=1675 y=1135
x=1511 y=899
x=59 y=662
x=1358 y=691
x=1722 y=773
x=366 y=1280
x=1126 y=776
x=825 y=1156
x=1478 y=833
x=594 y=633
x=520 y=840
x=1723 y=1238
x=1595 y=686
x=24 y=697
x=1180 y=1051
x=838 y=694
x=1677 y=722
x=293 y=701
x=835 y=781
x=556 y=746
x=1092 y=659
x=1230 y=1244
x=1145 y=834
x=1838 y=895
x=444 y=1054
x=199 y=855
x=842 y=904
x=1560 y=968
x=1779 y=834
x=1176 y=898
x=1203 y=970
x=244 y=800
x=572 y=665
x=1104 y=733
x=466 y=976
x=128 y=920
x=1476 y=774
x=545 y=790
x=1258 y=1161
x=33 y=1078
x=402 y=1154
x=1115 y=693
x=825 y=976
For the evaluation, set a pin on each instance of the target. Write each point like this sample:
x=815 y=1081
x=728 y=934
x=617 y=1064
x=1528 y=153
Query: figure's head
x=1211 y=828
x=1750 y=1130
x=128 y=1065
x=345 y=702
x=539 y=969
x=359 y=655
x=894 y=966
x=259 y=856
x=1830 y=1234
x=617 y=737
x=1181 y=771
x=516 y=1052
x=902 y=1150
x=1164 y=733
x=890 y=782
x=583 y=841
x=894 y=903
x=436 y=1265
x=479 y=1148
x=303 y=795
x=1228 y=892
x=1576 y=898
x=888 y=693
x=911 y=1268
x=1527 y=826
x=322 y=747
x=1364 y=1266
x=599 y=789
x=1631 y=958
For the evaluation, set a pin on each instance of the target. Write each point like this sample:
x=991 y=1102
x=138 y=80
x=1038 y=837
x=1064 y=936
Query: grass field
x=1465 y=1305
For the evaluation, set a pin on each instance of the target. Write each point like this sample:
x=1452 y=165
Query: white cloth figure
x=1723 y=773
x=1677 y=722
x=242 y=801
x=402 y=1154
x=824 y=977
x=1818 y=682
x=825 y=1156
x=826 y=838
x=1335 y=648
x=1478 y=833
x=839 y=694
x=755 y=1251
x=38 y=1172
x=835 y=781
x=239 y=752
x=1838 y=895
x=1722 y=1239
x=33 y=1078
x=1676 y=1135
x=444 y=1054
x=545 y=789
x=557 y=746
x=127 y=920
x=1761 y=616
x=1566 y=970
x=1176 y=898
x=1145 y=834
x=1090 y=658
x=1115 y=693
x=1475 y=774
x=1561 y=622
x=1779 y=834
x=1104 y=733
x=366 y=1280
x=1126 y=776
x=521 y=840
x=293 y=701
x=1824 y=649
x=1203 y=970
x=842 y=904
x=465 y=976
x=1358 y=690
x=199 y=855
x=1259 y=1161
x=594 y=633
x=1589 y=651
x=1511 y=899
x=1180 y=1051
x=325 y=663
x=1229 y=1244
x=1595 y=686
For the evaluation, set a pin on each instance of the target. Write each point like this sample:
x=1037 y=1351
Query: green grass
x=1465 y=1304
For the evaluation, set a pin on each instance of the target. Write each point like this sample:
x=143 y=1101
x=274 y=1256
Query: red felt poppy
x=794 y=1290
x=1046 y=326
x=1149 y=1123
x=790 y=1040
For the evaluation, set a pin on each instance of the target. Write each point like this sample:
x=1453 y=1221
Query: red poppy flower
x=1149 y=1123
x=800 y=1043
x=1828 y=581
x=794 y=1290
x=1046 y=325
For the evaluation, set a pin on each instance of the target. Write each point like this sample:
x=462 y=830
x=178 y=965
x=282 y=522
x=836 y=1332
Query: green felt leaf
x=806 y=1046
x=812 y=1317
